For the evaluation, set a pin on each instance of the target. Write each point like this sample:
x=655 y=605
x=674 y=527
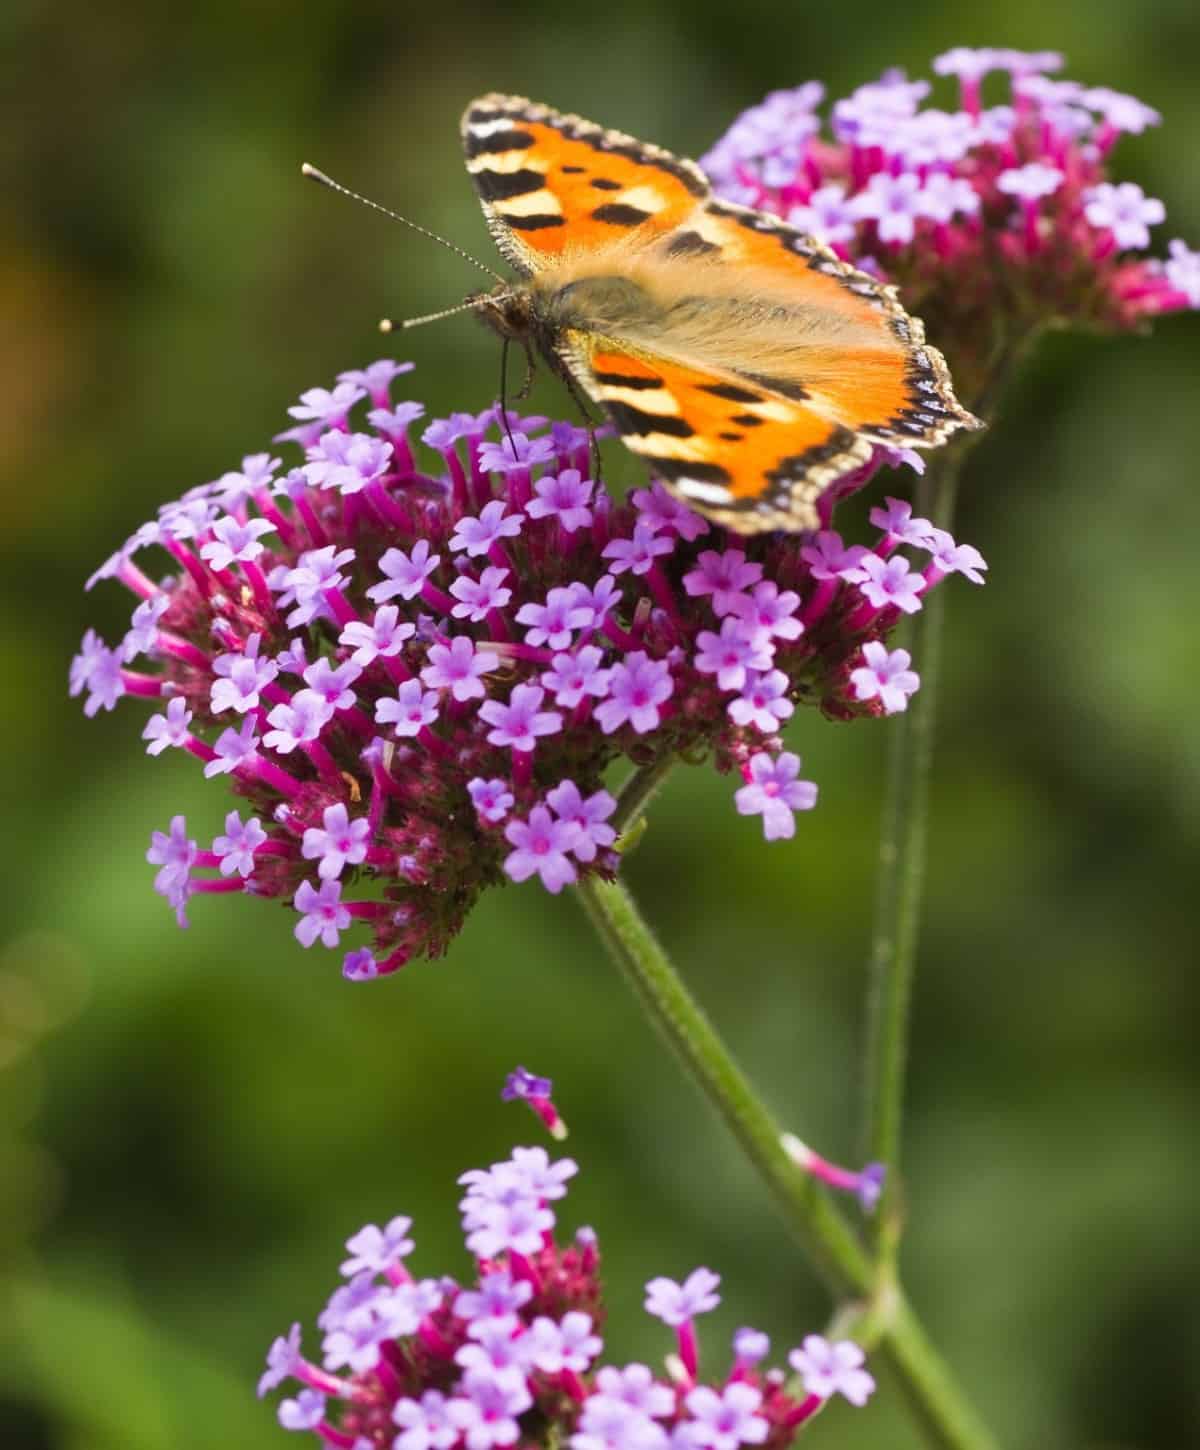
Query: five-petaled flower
x=773 y=791
x=543 y=847
x=831 y=1369
x=885 y=676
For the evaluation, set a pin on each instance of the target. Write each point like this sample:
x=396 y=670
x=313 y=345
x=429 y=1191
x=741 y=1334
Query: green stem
x=680 y=1019
x=634 y=796
x=949 y=1422
x=947 y=1418
x=902 y=856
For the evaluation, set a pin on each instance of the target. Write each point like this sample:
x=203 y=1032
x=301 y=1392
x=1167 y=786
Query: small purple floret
x=410 y=712
x=237 y=846
x=283 y=1360
x=374 y=1250
x=636 y=689
x=885 y=676
x=522 y=1085
x=477 y=598
x=321 y=914
x=169 y=729
x=459 y=667
x=477 y=535
x=542 y=845
x=338 y=843
x=572 y=676
x=305 y=1412
x=675 y=1304
x=774 y=792
x=564 y=496
x=517 y=724
x=726 y=1419
x=491 y=798
x=723 y=576
x=382 y=638
x=360 y=965
x=405 y=573
x=590 y=816
x=829 y=1369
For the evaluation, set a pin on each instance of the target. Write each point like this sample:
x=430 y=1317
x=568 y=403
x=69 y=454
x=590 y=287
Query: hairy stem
x=634 y=795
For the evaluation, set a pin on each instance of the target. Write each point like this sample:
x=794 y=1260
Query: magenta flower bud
x=524 y=1086
x=866 y=1185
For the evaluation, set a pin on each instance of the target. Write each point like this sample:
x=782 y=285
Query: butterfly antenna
x=314 y=175
x=387 y=325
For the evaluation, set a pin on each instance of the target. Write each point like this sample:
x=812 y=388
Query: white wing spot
x=645 y=198
x=714 y=230
x=491 y=128
x=702 y=492
x=696 y=449
x=533 y=203
x=506 y=161
x=649 y=400
x=771 y=411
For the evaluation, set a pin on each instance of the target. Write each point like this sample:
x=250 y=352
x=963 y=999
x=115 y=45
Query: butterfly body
x=744 y=362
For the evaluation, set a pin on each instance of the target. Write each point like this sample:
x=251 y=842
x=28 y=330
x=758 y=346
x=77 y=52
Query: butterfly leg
x=504 y=423
x=597 y=461
x=530 y=370
x=580 y=399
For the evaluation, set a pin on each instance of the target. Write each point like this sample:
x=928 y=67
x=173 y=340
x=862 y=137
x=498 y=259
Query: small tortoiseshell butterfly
x=743 y=361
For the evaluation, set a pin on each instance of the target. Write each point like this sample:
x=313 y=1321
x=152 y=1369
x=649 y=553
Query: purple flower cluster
x=415 y=672
x=998 y=216
x=428 y=1364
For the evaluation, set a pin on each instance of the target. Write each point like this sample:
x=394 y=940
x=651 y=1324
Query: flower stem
x=902 y=853
x=679 y=1018
x=949 y=1422
x=635 y=794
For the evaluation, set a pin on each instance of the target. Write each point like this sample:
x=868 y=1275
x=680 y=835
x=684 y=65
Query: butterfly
x=744 y=362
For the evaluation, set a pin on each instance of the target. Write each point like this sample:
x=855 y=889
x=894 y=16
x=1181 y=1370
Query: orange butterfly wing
x=897 y=390
x=746 y=456
x=752 y=449
x=551 y=183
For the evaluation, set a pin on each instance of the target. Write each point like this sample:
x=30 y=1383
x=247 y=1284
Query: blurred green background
x=190 y=1123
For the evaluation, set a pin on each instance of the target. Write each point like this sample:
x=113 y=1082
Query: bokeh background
x=190 y=1123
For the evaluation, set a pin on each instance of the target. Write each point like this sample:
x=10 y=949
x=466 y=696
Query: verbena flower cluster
x=995 y=218
x=514 y=1357
x=414 y=664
